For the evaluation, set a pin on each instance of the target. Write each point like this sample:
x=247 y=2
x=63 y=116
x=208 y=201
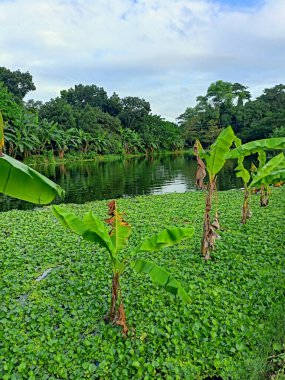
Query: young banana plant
x=268 y=174
x=22 y=182
x=215 y=161
x=263 y=175
x=114 y=240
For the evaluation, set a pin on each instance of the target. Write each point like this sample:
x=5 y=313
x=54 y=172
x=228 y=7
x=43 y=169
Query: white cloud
x=166 y=51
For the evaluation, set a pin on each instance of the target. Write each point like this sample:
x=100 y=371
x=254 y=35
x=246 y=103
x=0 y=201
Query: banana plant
x=114 y=239
x=215 y=160
x=22 y=182
x=259 y=147
x=276 y=176
x=268 y=174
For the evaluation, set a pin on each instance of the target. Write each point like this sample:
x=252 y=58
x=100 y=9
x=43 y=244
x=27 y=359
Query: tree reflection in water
x=87 y=181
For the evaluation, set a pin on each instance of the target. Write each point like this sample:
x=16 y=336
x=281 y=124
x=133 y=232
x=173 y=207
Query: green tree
x=278 y=132
x=151 y=132
x=241 y=94
x=11 y=110
x=264 y=114
x=134 y=110
x=211 y=133
x=170 y=136
x=33 y=106
x=222 y=105
x=92 y=119
x=191 y=126
x=82 y=95
x=59 y=111
x=18 y=83
x=113 y=105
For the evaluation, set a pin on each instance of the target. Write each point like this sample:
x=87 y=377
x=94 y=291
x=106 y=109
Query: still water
x=88 y=180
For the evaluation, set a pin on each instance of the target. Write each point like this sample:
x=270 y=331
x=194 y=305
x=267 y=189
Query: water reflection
x=87 y=181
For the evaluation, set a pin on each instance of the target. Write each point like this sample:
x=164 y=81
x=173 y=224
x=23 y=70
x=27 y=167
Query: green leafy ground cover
x=54 y=328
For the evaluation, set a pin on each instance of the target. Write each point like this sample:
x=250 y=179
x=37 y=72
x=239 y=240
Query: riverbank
x=50 y=158
x=54 y=328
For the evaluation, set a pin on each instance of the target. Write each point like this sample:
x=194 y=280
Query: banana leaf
x=266 y=170
x=242 y=172
x=275 y=176
x=1 y=133
x=20 y=181
x=219 y=150
x=256 y=146
x=165 y=238
x=272 y=179
x=161 y=277
x=90 y=228
x=261 y=158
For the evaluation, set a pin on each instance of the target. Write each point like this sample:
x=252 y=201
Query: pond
x=92 y=180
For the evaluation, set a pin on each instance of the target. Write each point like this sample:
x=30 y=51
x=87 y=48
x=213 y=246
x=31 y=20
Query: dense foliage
x=84 y=119
x=54 y=292
x=228 y=103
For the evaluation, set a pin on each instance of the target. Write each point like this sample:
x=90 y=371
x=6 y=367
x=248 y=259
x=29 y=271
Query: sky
x=167 y=52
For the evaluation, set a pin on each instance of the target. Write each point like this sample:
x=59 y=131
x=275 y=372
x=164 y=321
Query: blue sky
x=165 y=51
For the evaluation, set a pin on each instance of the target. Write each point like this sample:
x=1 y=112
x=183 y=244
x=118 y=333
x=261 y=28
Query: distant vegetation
x=85 y=120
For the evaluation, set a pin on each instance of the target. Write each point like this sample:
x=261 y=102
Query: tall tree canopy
x=134 y=110
x=80 y=96
x=228 y=103
x=18 y=83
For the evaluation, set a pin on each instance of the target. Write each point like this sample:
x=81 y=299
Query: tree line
x=85 y=120
x=227 y=104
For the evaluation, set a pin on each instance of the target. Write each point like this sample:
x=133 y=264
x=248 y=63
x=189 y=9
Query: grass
x=54 y=328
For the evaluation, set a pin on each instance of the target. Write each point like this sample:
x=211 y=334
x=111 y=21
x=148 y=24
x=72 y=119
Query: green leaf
x=161 y=277
x=266 y=170
x=274 y=177
x=20 y=181
x=219 y=150
x=90 y=228
x=1 y=132
x=242 y=172
x=165 y=238
x=261 y=158
x=256 y=146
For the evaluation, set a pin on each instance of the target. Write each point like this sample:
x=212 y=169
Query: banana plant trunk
x=245 y=207
x=264 y=195
x=207 y=231
x=61 y=154
x=116 y=313
x=201 y=167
